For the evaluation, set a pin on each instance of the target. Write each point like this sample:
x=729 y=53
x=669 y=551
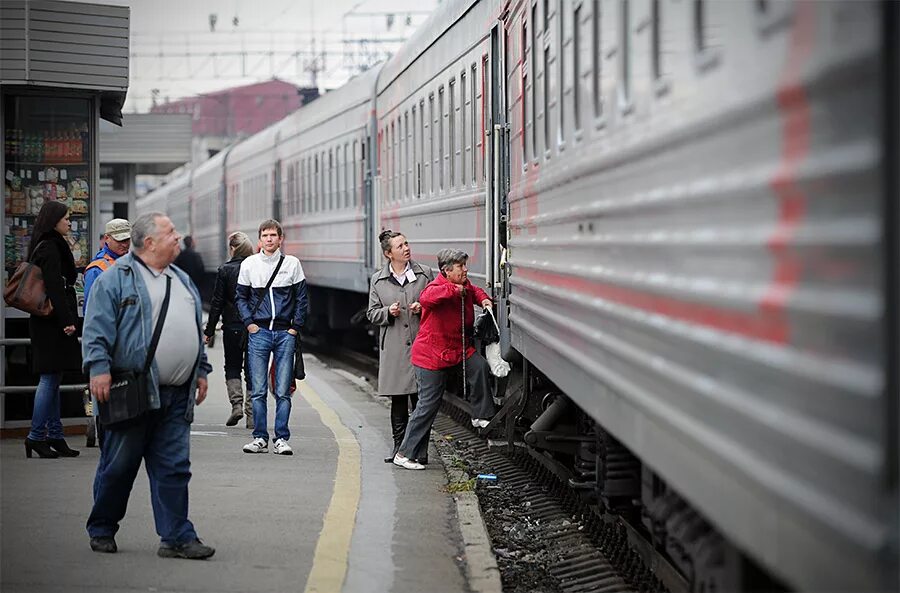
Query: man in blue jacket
x=126 y=303
x=116 y=242
x=272 y=301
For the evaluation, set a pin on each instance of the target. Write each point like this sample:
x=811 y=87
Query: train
x=686 y=213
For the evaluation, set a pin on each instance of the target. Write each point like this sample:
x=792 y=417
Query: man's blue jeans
x=45 y=422
x=279 y=344
x=162 y=438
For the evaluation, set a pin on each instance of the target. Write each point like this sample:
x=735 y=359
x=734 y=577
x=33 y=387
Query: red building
x=239 y=111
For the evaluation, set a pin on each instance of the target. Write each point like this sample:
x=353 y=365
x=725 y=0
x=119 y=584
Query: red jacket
x=439 y=342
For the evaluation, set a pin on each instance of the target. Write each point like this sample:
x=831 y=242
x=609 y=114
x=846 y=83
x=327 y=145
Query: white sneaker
x=479 y=423
x=258 y=445
x=406 y=462
x=282 y=448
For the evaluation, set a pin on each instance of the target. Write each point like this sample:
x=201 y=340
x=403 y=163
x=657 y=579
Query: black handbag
x=299 y=369
x=129 y=392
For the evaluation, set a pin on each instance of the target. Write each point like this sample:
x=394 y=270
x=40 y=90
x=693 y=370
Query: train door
x=497 y=165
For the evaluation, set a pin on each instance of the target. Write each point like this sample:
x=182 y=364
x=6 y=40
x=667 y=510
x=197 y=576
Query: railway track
x=585 y=550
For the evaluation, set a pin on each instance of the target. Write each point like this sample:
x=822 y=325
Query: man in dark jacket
x=192 y=263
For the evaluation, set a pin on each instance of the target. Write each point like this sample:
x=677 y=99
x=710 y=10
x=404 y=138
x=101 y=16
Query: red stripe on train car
x=794 y=106
x=764 y=326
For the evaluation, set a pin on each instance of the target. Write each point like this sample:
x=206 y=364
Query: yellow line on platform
x=329 y=566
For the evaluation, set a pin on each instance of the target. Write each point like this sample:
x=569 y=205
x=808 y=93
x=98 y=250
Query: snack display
x=45 y=160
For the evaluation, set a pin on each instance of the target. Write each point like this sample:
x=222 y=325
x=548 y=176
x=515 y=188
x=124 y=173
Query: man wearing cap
x=117 y=241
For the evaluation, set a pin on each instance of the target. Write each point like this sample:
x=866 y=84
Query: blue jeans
x=162 y=438
x=45 y=422
x=262 y=344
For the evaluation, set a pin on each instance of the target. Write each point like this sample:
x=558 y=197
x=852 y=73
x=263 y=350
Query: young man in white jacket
x=272 y=301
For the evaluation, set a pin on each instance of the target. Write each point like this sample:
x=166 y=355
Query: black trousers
x=235 y=343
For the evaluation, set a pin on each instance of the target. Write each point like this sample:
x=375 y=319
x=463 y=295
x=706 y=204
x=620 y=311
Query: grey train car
x=208 y=211
x=686 y=212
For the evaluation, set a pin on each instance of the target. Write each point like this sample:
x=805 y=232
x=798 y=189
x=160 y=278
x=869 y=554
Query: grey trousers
x=431 y=390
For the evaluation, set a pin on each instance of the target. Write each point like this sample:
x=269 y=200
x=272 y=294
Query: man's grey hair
x=446 y=258
x=144 y=226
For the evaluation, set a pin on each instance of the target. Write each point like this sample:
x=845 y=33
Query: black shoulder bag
x=129 y=391
x=266 y=289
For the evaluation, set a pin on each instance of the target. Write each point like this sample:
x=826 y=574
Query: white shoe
x=282 y=448
x=258 y=445
x=479 y=423
x=406 y=462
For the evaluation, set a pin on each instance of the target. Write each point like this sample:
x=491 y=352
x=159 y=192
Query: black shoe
x=194 y=550
x=62 y=447
x=236 y=415
x=42 y=448
x=104 y=544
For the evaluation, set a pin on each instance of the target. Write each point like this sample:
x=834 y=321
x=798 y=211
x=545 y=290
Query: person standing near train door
x=443 y=347
x=272 y=301
x=394 y=307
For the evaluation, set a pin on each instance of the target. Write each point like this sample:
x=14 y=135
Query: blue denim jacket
x=118 y=327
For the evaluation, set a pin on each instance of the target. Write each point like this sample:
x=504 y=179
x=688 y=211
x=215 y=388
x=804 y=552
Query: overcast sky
x=172 y=44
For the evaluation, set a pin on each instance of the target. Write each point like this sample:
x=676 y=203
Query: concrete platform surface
x=333 y=517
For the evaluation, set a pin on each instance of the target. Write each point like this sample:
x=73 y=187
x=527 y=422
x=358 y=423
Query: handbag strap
x=157 y=331
x=268 y=285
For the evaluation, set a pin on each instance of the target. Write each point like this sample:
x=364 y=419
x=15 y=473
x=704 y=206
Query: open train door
x=497 y=159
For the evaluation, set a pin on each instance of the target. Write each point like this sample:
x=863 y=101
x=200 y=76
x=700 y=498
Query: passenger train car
x=686 y=212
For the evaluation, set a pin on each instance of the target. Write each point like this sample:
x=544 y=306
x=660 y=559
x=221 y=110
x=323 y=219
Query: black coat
x=192 y=263
x=52 y=351
x=223 y=299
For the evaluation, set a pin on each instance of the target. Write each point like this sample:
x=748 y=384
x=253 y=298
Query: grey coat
x=396 y=334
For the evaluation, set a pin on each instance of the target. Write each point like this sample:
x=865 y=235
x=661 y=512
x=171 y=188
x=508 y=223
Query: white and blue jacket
x=284 y=306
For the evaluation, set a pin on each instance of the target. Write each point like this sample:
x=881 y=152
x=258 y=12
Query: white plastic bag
x=498 y=366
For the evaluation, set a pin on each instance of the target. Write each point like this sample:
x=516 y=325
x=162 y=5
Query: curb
x=482 y=572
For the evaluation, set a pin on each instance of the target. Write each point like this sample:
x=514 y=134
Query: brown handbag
x=26 y=291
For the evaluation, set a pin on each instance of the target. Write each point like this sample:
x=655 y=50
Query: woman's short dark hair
x=48 y=217
x=385 y=238
x=447 y=258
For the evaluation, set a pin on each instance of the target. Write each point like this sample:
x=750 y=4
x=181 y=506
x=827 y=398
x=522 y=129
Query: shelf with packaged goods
x=14 y=163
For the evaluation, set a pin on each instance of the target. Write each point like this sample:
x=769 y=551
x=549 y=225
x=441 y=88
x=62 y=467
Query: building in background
x=220 y=118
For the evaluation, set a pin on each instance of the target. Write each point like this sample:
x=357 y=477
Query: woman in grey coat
x=394 y=307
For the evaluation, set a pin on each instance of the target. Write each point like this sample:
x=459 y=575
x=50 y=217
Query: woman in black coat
x=54 y=343
x=234 y=334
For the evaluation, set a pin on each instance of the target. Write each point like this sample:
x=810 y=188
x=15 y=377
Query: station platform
x=332 y=517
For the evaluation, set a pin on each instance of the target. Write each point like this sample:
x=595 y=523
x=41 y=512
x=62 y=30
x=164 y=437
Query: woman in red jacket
x=448 y=315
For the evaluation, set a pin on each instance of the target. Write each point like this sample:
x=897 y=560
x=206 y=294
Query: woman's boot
x=62 y=447
x=399 y=420
x=42 y=448
x=236 y=397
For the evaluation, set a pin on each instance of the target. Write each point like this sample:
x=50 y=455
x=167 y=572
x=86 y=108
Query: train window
x=290 y=190
x=523 y=75
x=545 y=75
x=624 y=57
x=596 y=52
x=560 y=67
x=474 y=126
x=463 y=142
x=533 y=66
x=331 y=183
x=655 y=40
x=452 y=131
x=401 y=164
x=441 y=140
x=704 y=35
x=576 y=67
x=407 y=140
x=431 y=134
x=415 y=154
x=423 y=164
x=315 y=195
x=346 y=178
x=546 y=16
x=339 y=178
